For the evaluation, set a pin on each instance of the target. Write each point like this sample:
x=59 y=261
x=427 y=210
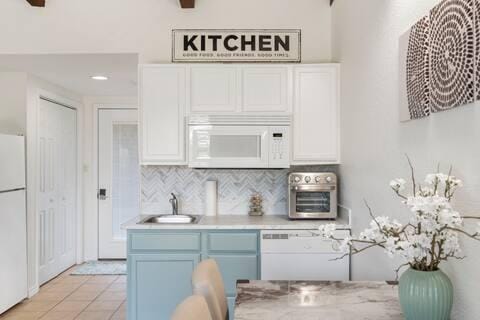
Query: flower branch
x=429 y=237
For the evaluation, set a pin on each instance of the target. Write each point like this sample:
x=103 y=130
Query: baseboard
x=33 y=291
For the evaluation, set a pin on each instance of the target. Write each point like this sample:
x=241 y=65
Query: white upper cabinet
x=162 y=114
x=213 y=89
x=266 y=89
x=310 y=93
x=316 y=114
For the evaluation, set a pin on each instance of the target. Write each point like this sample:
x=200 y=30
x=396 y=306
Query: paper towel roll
x=211 y=198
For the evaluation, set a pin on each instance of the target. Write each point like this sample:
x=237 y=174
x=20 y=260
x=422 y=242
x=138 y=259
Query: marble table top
x=315 y=300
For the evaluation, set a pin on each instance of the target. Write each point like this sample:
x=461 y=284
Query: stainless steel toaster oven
x=312 y=195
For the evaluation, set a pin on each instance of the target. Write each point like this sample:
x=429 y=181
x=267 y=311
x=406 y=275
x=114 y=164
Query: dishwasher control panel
x=275 y=236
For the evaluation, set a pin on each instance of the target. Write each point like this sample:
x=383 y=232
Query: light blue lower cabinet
x=231 y=307
x=160 y=265
x=157 y=283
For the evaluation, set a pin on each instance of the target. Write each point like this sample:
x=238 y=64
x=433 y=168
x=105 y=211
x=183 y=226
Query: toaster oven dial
x=318 y=179
x=328 y=179
x=307 y=179
x=296 y=179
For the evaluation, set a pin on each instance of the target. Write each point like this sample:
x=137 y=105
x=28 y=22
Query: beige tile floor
x=70 y=297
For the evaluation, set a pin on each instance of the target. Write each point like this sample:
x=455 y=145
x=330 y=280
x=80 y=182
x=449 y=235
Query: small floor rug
x=101 y=268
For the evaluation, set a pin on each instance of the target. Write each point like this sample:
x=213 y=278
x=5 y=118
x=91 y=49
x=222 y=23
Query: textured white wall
x=106 y=26
x=365 y=41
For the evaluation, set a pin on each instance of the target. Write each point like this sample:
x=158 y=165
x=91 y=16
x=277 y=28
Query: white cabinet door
x=213 y=89
x=266 y=89
x=162 y=114
x=316 y=114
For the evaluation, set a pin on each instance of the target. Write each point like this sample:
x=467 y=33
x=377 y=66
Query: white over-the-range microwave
x=238 y=141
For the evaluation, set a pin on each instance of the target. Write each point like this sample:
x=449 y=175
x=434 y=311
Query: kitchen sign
x=236 y=45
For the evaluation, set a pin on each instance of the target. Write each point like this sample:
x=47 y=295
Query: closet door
x=57 y=188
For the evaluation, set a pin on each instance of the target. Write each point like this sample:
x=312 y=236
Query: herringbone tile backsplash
x=234 y=188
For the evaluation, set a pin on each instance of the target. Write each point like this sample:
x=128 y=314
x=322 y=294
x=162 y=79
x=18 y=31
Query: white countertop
x=245 y=222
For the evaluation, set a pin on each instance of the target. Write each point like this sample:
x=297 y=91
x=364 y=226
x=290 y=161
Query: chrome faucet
x=174 y=202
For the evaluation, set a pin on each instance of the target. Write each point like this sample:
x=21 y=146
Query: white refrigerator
x=13 y=222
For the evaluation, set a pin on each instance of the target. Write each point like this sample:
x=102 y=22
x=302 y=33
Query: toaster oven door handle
x=313 y=188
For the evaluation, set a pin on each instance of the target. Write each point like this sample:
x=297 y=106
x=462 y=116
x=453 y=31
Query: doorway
x=57 y=191
x=118 y=179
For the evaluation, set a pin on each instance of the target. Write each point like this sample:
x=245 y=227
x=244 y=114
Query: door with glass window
x=118 y=179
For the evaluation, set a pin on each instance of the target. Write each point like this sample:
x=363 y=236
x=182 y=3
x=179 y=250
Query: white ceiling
x=74 y=71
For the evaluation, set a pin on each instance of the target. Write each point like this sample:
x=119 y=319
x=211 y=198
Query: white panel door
x=213 y=89
x=57 y=188
x=266 y=89
x=316 y=115
x=118 y=179
x=162 y=114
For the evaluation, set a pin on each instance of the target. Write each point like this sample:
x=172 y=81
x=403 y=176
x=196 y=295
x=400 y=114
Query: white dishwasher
x=302 y=255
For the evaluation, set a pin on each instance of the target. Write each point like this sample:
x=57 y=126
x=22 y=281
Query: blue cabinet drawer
x=233 y=268
x=165 y=241
x=233 y=242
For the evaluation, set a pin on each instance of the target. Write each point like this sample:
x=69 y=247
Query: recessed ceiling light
x=101 y=78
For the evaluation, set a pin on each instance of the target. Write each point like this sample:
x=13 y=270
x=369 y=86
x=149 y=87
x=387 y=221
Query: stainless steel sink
x=170 y=219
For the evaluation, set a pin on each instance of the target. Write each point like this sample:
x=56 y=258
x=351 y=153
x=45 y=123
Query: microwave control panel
x=279 y=147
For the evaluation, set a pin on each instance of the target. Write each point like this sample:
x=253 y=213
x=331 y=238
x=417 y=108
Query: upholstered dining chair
x=193 y=308
x=207 y=281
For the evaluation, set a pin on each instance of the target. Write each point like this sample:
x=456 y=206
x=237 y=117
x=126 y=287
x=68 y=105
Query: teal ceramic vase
x=425 y=295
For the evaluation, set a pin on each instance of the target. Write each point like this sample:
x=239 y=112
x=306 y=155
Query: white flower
x=398 y=184
x=454 y=182
x=449 y=218
x=327 y=230
x=451 y=245
x=427 y=204
x=426 y=191
x=431 y=178
x=345 y=244
x=423 y=240
x=434 y=178
x=369 y=234
x=441 y=178
x=391 y=246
